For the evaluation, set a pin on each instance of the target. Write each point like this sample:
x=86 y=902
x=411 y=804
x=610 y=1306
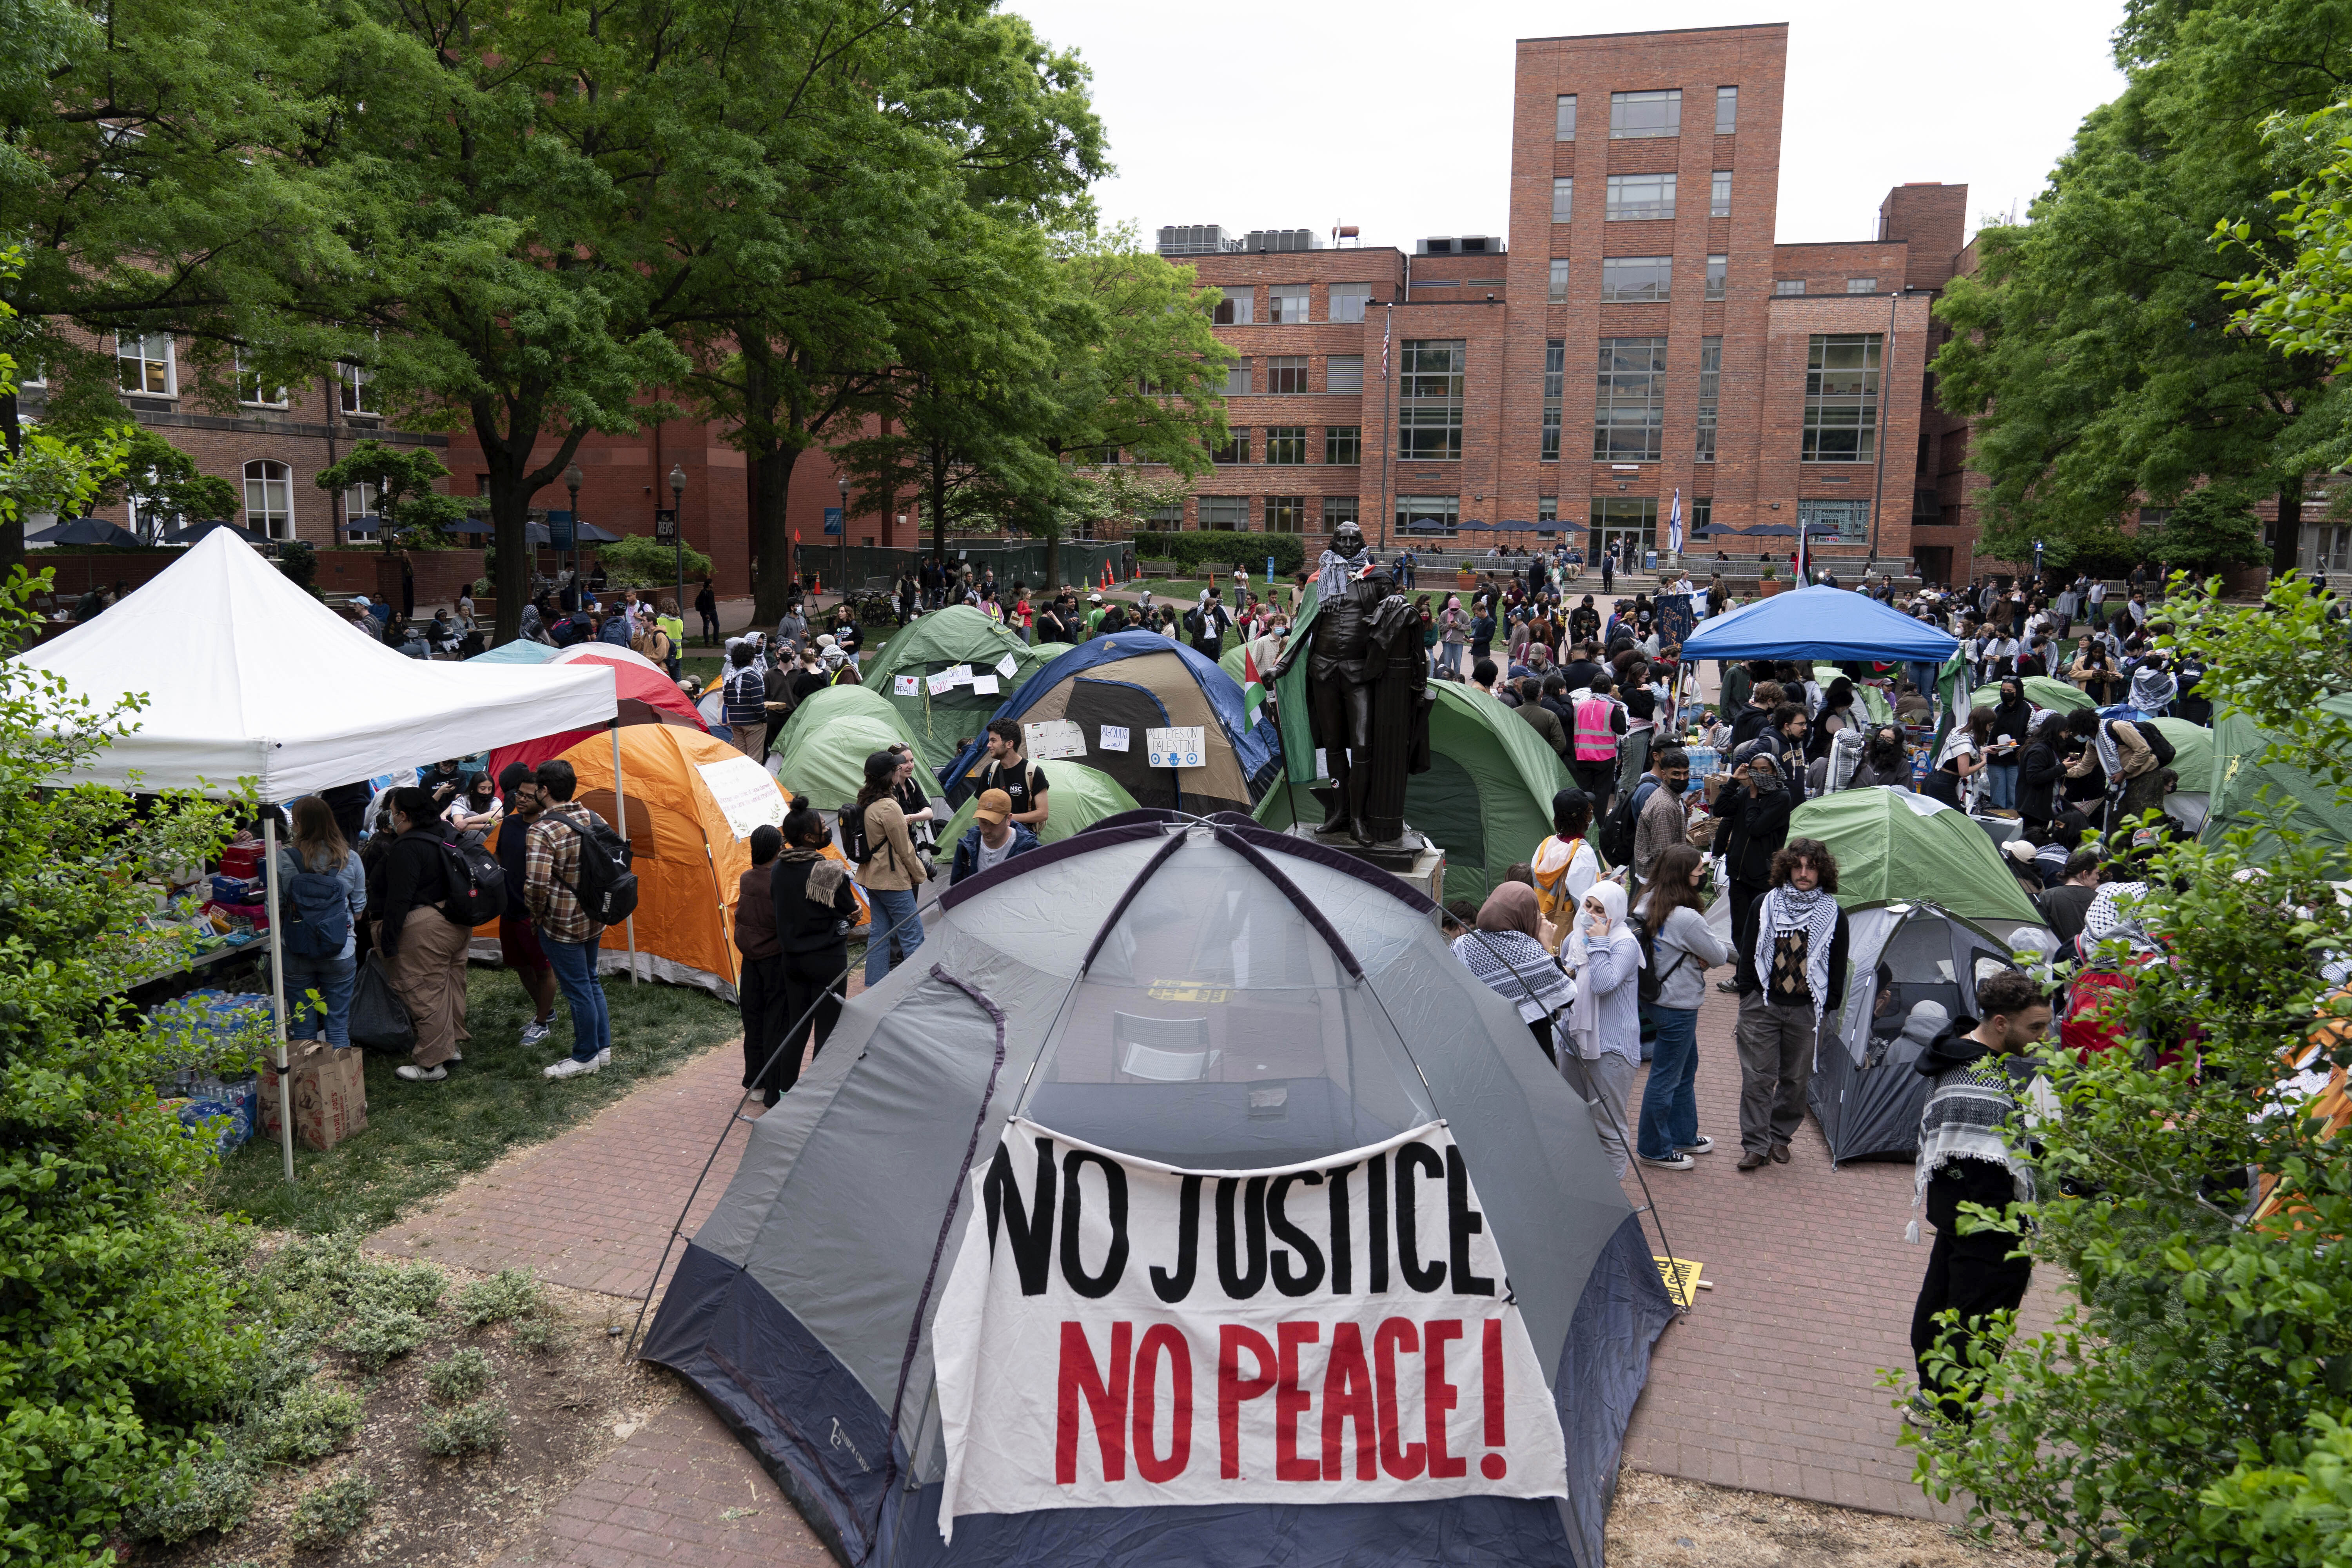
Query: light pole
x=845 y=541
x=571 y=478
x=678 y=532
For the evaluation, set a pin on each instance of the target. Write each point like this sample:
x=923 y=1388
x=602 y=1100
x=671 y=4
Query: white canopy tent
x=245 y=676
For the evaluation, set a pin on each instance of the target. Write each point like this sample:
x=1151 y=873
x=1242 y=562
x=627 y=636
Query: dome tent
x=646 y=693
x=1137 y=681
x=943 y=640
x=1081 y=797
x=822 y=752
x=1893 y=847
x=1329 y=1015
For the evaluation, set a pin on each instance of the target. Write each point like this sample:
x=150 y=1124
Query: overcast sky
x=1396 y=117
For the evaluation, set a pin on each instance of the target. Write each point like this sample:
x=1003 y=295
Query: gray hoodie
x=1683 y=980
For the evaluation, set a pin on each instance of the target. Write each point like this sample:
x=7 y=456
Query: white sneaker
x=571 y=1067
x=1704 y=1146
x=604 y=1058
x=534 y=1032
x=409 y=1072
x=1679 y=1163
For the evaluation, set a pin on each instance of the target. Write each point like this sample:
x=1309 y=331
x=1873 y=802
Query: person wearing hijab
x=1604 y=1021
x=1792 y=974
x=2153 y=687
x=1505 y=954
x=1566 y=864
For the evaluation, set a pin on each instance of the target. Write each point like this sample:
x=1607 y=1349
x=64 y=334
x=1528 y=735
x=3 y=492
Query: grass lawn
x=422 y=1138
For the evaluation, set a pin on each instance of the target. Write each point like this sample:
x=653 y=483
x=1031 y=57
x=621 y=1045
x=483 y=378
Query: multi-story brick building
x=1637 y=336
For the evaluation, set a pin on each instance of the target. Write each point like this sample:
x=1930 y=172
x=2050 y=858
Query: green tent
x=1896 y=847
x=2192 y=753
x=1077 y=798
x=1485 y=800
x=2042 y=691
x=1875 y=707
x=944 y=639
x=2240 y=778
x=822 y=752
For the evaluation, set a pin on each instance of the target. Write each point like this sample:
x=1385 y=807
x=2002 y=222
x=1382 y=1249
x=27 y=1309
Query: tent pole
x=621 y=809
x=734 y=970
x=277 y=988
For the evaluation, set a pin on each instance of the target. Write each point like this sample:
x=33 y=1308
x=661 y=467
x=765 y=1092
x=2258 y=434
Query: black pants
x=761 y=995
x=1744 y=897
x=1597 y=780
x=710 y=627
x=810 y=979
x=1970 y=1275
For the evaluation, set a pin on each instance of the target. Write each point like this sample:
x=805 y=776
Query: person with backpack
x=322 y=894
x=424 y=947
x=1655 y=809
x=887 y=866
x=1679 y=948
x=1566 y=865
x=567 y=881
x=2127 y=757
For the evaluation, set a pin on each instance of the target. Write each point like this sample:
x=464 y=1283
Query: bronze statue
x=1367 y=697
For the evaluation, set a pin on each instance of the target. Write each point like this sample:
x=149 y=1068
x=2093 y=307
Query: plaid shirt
x=550 y=865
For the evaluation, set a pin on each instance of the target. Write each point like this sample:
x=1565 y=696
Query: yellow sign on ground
x=1681 y=1275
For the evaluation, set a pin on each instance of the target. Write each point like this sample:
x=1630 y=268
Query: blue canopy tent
x=1829 y=624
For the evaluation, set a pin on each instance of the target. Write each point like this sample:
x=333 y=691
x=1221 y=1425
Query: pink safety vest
x=1595 y=741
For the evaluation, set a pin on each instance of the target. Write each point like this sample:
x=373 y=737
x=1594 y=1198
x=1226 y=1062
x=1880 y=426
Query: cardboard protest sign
x=1118 y=1334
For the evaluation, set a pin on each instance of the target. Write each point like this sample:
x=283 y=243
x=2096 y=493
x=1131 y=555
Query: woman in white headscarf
x=1604 y=1022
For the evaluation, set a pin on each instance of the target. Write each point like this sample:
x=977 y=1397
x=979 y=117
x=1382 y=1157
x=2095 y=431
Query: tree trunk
x=2286 y=534
x=11 y=531
x=512 y=484
x=771 y=483
x=938 y=477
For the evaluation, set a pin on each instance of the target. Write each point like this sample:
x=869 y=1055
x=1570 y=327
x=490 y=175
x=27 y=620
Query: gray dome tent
x=1864 y=1091
x=1205 y=993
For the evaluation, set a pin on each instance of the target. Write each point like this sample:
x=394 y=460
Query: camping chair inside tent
x=1865 y=1092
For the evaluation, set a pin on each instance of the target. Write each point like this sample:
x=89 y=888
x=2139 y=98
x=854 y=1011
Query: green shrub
x=508 y=1294
x=373 y=1310
x=540 y=1331
x=635 y=561
x=1191 y=551
x=480 y=1428
x=213 y=1490
x=311 y=1423
x=458 y=1377
x=330 y=1510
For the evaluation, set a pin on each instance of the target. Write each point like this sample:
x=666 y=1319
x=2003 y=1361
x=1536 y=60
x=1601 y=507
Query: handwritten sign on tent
x=905 y=685
x=1117 y=1334
x=1008 y=666
x=1114 y=737
x=1052 y=738
x=744 y=793
x=1181 y=746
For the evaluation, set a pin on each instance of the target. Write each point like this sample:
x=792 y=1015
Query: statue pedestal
x=1410 y=857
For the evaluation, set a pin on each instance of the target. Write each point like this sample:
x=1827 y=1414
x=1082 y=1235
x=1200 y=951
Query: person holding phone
x=2012 y=723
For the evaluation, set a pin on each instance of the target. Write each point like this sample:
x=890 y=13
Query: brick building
x=1638 y=334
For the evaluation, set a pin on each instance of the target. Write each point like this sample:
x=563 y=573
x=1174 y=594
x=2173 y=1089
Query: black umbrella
x=84 y=531
x=196 y=531
x=589 y=533
x=1778 y=530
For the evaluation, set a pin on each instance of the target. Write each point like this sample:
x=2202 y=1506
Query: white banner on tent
x=1050 y=739
x=1179 y=746
x=745 y=794
x=1008 y=666
x=1118 y=1334
x=1114 y=737
x=905 y=685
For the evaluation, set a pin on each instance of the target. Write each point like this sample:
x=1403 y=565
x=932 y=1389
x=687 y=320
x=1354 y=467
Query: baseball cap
x=1094 y=598
x=995 y=807
x=2021 y=851
x=360 y=601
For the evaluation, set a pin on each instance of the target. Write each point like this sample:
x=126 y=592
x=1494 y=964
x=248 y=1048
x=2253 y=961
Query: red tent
x=648 y=696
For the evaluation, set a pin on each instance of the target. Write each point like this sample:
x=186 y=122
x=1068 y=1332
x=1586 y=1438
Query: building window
x=1785 y=286
x=359 y=514
x=1286 y=373
x=1851 y=519
x=1226 y=513
x=1564 y=118
x=1629 y=415
x=1563 y=200
x=2154 y=516
x=1717 y=268
x=1107 y=457
x=1558 y=294
x=1633 y=114
x=1429 y=400
x=1637 y=278
x=249 y=390
x=1236 y=307
x=1337 y=509
x=1726 y=111
x=1555 y=376
x=1710 y=389
x=1702 y=513
x=1238 y=377
x=1861 y=285
x=1286 y=443
x=1548 y=508
x=269 y=499
x=1344 y=373
x=1718 y=200
x=1235 y=450
x=1429 y=515
x=1841 y=398
x=1630 y=523
x=1343 y=444
x=1348 y=301
x=352 y=382
x=144 y=364
x=1640 y=197
x=1285 y=514
x=1288 y=302
x=1169 y=518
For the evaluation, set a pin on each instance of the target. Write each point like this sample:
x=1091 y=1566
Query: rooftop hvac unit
x=1283 y=239
x=1195 y=239
x=1462 y=245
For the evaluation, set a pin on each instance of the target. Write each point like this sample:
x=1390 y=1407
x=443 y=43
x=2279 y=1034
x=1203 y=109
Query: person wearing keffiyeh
x=1982 y=1074
x=1507 y=955
x=1791 y=975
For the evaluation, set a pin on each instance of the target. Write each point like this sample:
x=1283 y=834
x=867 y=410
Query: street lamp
x=845 y=541
x=571 y=478
x=678 y=532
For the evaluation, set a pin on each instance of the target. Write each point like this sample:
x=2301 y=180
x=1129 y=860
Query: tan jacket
x=894 y=864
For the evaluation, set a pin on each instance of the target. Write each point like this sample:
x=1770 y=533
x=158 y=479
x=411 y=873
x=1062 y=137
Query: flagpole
x=1388 y=324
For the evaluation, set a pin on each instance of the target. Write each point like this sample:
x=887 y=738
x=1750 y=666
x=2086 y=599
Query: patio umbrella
x=196 y=531
x=1775 y=530
x=84 y=531
x=589 y=533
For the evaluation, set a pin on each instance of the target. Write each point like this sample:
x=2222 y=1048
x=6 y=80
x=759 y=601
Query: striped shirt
x=747 y=696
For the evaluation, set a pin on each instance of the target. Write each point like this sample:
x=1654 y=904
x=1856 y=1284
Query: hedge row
x=1191 y=551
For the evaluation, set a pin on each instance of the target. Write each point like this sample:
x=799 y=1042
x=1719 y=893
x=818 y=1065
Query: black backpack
x=477 y=883
x=1650 y=985
x=2156 y=742
x=606 y=888
x=854 y=844
x=1616 y=839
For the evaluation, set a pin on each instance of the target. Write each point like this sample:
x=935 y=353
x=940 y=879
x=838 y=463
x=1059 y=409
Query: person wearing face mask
x=1604 y=1021
x=1793 y=966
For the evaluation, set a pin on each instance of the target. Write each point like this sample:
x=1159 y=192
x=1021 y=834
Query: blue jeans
x=333 y=979
x=891 y=905
x=1449 y=656
x=574 y=963
x=2004 y=784
x=1669 y=1118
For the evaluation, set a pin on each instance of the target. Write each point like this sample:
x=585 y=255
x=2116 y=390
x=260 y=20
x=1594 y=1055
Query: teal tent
x=2042 y=691
x=958 y=638
x=1077 y=798
x=822 y=752
x=519 y=651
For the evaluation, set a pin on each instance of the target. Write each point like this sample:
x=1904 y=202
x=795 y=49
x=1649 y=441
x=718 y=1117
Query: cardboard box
x=329 y=1091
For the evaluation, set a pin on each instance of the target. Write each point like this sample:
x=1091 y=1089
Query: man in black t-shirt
x=1022 y=781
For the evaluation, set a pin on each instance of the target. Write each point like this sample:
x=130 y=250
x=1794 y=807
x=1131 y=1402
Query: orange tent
x=691 y=803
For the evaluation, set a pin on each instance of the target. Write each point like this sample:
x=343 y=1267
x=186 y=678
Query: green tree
x=2212 y=529
x=164 y=482
x=408 y=508
x=2091 y=348
x=2303 y=306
